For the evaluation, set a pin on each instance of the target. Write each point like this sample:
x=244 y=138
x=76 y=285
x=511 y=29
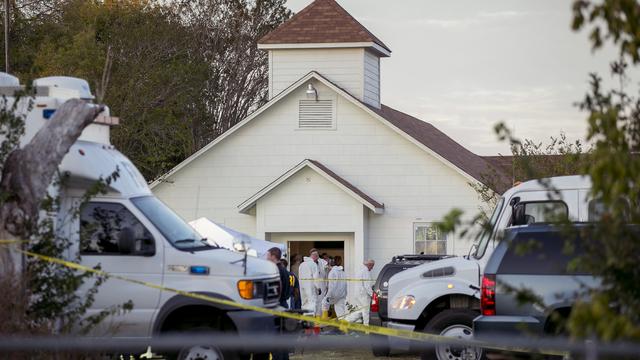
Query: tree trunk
x=28 y=172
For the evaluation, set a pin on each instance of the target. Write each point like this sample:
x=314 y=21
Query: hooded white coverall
x=362 y=298
x=336 y=292
x=322 y=285
x=309 y=289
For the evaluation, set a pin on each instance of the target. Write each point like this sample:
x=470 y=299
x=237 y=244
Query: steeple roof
x=321 y=22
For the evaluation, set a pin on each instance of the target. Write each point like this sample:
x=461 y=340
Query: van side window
x=111 y=229
x=540 y=212
x=597 y=209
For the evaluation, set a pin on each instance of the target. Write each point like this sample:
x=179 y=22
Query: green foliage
x=178 y=73
x=11 y=125
x=615 y=20
x=48 y=292
x=55 y=300
x=610 y=311
x=614 y=253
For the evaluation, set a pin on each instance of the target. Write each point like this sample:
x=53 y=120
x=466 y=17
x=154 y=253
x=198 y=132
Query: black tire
x=380 y=346
x=452 y=320
x=225 y=354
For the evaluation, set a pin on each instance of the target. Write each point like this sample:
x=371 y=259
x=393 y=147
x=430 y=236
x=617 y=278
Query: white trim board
x=381 y=50
x=246 y=205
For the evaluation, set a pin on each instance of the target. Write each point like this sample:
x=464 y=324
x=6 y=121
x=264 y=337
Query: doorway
x=328 y=250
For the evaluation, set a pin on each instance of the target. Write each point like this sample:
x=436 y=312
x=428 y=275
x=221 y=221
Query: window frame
x=82 y=252
x=445 y=237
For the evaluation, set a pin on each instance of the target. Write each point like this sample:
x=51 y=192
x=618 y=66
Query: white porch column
x=260 y=226
x=360 y=238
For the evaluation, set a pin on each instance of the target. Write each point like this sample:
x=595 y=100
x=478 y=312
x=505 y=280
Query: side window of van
x=597 y=209
x=540 y=212
x=111 y=229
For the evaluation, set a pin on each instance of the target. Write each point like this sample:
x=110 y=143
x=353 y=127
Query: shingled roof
x=322 y=21
x=428 y=135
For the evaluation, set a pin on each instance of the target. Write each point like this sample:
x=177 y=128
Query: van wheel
x=205 y=351
x=455 y=323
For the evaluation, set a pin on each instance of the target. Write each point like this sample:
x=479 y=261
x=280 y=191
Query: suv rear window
x=540 y=253
x=388 y=273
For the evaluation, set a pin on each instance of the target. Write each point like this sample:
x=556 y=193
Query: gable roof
x=422 y=134
x=322 y=21
x=441 y=143
x=325 y=172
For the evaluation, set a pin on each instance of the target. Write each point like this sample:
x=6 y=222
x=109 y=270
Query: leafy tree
x=227 y=32
x=613 y=309
x=530 y=160
x=177 y=73
x=610 y=311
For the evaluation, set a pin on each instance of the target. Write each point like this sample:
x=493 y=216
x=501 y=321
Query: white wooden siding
x=414 y=186
x=344 y=67
x=371 y=93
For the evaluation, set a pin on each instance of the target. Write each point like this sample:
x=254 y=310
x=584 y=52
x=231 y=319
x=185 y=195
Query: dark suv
x=531 y=258
x=378 y=311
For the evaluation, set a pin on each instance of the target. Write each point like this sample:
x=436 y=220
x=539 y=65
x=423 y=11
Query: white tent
x=233 y=239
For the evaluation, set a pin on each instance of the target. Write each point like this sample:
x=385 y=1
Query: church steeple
x=324 y=37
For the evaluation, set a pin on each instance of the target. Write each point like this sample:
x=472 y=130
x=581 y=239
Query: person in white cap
x=363 y=293
x=337 y=290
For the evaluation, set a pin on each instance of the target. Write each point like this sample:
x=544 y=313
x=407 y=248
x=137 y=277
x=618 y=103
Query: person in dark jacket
x=274 y=255
x=295 y=302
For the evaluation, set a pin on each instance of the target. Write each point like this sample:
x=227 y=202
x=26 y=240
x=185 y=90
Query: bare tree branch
x=27 y=173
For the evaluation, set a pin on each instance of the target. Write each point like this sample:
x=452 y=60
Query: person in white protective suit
x=363 y=293
x=310 y=284
x=336 y=290
x=323 y=272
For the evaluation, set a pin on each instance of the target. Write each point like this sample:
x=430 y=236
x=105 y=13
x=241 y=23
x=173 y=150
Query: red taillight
x=488 y=295
x=374 y=302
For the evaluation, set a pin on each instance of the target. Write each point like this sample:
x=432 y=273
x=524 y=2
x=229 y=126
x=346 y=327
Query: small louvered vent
x=316 y=114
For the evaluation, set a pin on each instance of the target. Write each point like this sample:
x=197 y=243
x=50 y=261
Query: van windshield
x=485 y=237
x=172 y=227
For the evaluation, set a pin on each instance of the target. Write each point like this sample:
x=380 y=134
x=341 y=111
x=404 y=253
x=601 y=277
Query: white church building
x=324 y=163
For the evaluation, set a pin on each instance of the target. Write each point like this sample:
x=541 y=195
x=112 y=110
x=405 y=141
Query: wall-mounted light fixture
x=312 y=93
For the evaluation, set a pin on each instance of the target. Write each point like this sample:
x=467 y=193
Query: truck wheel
x=206 y=352
x=380 y=346
x=455 y=323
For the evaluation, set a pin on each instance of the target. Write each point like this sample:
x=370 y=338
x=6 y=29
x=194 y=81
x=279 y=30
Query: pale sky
x=466 y=65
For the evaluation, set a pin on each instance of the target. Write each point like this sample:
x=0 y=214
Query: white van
x=443 y=296
x=130 y=233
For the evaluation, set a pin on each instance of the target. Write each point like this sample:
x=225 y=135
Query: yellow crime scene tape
x=347 y=280
x=340 y=324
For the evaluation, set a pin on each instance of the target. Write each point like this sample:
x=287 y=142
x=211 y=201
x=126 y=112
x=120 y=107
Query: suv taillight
x=488 y=295
x=374 y=302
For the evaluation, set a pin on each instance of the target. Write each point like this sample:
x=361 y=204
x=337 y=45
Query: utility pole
x=6 y=36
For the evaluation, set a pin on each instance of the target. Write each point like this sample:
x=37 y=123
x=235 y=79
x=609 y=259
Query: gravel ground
x=344 y=355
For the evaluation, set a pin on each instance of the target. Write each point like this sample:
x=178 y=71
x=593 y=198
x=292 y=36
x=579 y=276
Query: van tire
x=451 y=321
x=225 y=354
